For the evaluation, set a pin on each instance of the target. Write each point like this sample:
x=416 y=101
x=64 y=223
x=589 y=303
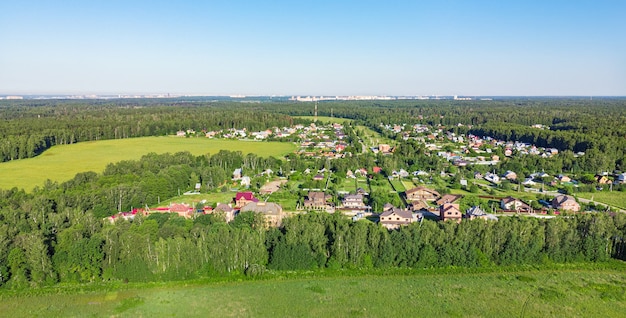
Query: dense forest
x=54 y=234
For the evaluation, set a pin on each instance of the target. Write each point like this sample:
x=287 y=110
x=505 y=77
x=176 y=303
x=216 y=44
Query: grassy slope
x=61 y=163
x=614 y=198
x=549 y=293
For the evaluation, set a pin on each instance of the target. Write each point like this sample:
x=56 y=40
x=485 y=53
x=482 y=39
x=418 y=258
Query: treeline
x=73 y=246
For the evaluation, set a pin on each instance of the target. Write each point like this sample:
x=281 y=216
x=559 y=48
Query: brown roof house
x=514 y=204
x=450 y=211
x=421 y=193
x=418 y=205
x=565 y=202
x=394 y=218
x=273 y=212
x=226 y=210
x=318 y=201
x=449 y=198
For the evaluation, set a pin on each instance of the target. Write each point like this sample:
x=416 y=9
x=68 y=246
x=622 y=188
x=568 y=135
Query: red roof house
x=243 y=198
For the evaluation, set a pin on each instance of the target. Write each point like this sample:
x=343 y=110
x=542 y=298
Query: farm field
x=548 y=293
x=61 y=163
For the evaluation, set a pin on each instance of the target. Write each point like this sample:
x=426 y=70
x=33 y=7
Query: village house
x=245 y=181
x=510 y=175
x=318 y=201
x=513 y=204
x=182 y=209
x=272 y=212
x=237 y=174
x=362 y=172
x=563 y=178
x=565 y=202
x=600 y=179
x=243 y=198
x=492 y=177
x=394 y=218
x=350 y=174
x=384 y=148
x=226 y=210
x=450 y=211
x=421 y=193
x=476 y=212
x=128 y=216
x=418 y=205
x=353 y=201
x=449 y=198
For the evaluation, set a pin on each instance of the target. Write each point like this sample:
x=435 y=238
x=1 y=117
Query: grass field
x=566 y=292
x=373 y=138
x=348 y=185
x=397 y=185
x=61 y=163
x=615 y=198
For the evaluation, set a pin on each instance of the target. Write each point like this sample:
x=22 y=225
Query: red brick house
x=450 y=211
x=565 y=202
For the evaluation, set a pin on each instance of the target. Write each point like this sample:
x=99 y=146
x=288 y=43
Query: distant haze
x=323 y=47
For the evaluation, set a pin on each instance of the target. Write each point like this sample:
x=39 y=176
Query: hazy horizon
x=330 y=48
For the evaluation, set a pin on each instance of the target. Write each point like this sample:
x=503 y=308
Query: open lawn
x=567 y=292
x=408 y=184
x=348 y=185
x=397 y=185
x=61 y=163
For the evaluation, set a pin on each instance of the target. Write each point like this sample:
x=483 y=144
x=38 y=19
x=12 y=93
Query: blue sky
x=314 y=47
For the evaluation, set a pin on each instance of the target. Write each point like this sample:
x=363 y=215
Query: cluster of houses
x=421 y=200
x=242 y=202
x=317 y=142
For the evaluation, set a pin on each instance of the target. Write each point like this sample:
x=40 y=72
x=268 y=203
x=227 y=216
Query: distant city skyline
x=329 y=48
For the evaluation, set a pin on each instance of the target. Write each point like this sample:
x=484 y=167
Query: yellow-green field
x=61 y=163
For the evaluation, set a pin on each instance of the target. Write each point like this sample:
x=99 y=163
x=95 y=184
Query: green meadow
x=567 y=292
x=614 y=198
x=61 y=163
